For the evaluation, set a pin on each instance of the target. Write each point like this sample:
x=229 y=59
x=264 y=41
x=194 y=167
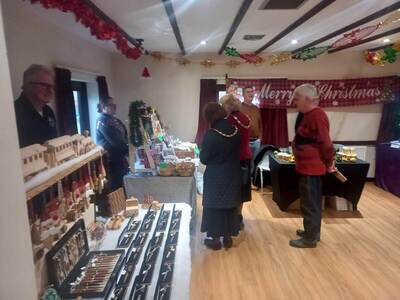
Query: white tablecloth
x=182 y=269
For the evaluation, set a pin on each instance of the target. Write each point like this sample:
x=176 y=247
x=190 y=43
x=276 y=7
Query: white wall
x=17 y=275
x=174 y=89
x=33 y=39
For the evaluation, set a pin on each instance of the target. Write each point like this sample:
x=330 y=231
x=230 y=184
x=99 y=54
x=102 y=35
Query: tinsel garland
x=136 y=110
x=99 y=28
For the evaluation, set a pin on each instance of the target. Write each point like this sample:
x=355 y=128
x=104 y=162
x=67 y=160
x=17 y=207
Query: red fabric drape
x=66 y=117
x=275 y=131
x=103 y=88
x=208 y=93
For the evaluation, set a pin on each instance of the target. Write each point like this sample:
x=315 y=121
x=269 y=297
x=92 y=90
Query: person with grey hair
x=36 y=122
x=314 y=153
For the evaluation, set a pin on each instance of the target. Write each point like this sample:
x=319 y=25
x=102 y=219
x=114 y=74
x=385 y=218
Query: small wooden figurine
x=132 y=207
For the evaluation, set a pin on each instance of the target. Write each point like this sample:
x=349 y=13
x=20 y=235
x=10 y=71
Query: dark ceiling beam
x=381 y=47
x=347 y=28
x=367 y=40
x=304 y=18
x=174 y=24
x=105 y=17
x=238 y=19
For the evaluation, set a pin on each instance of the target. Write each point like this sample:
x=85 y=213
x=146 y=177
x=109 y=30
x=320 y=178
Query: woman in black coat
x=222 y=180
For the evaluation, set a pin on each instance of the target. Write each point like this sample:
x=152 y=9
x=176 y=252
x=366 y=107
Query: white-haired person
x=314 y=153
x=36 y=122
x=233 y=106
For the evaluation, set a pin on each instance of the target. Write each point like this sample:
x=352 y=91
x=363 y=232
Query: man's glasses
x=43 y=85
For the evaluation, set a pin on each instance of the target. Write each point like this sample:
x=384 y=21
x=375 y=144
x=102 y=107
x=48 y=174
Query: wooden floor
x=358 y=256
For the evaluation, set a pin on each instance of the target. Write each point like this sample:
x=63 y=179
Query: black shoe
x=228 y=242
x=301 y=232
x=302 y=243
x=213 y=244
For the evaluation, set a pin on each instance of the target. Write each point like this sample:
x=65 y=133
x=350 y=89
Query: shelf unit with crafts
x=57 y=198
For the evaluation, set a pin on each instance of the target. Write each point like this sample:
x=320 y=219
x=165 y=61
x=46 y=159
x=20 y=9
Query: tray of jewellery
x=128 y=233
x=76 y=271
x=163 y=222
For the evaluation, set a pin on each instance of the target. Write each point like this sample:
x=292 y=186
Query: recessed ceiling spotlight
x=386 y=40
x=203 y=42
x=294 y=42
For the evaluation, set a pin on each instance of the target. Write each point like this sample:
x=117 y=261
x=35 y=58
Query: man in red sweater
x=314 y=153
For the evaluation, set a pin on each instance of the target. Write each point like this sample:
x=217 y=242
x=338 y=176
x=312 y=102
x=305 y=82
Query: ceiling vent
x=253 y=37
x=282 y=4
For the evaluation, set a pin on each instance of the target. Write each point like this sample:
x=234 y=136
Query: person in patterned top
x=111 y=133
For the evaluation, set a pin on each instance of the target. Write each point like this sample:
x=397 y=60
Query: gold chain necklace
x=240 y=123
x=226 y=135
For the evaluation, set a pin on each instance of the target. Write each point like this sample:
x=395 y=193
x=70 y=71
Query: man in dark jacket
x=36 y=122
x=314 y=154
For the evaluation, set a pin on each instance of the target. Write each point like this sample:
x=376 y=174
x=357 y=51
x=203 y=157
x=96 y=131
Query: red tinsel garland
x=98 y=27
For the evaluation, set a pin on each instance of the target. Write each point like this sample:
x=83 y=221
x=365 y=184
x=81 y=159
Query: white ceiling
x=210 y=20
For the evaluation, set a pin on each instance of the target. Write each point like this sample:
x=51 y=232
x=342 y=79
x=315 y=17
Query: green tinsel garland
x=136 y=110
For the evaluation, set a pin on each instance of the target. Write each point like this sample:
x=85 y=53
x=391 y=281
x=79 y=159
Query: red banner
x=332 y=93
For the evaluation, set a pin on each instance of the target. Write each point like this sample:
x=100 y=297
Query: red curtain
x=103 y=88
x=275 y=131
x=208 y=93
x=66 y=117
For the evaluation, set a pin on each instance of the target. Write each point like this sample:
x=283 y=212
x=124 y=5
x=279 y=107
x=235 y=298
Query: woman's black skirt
x=220 y=222
x=245 y=167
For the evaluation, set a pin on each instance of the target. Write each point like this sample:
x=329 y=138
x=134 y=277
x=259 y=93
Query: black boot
x=303 y=243
x=228 y=242
x=213 y=243
x=301 y=233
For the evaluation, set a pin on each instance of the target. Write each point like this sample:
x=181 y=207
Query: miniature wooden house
x=87 y=144
x=60 y=149
x=77 y=142
x=33 y=159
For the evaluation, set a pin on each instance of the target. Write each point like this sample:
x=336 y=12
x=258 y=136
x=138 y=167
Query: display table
x=182 y=269
x=163 y=189
x=284 y=181
x=387 y=172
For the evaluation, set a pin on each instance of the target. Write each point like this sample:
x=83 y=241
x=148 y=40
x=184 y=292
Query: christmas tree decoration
x=280 y=58
x=146 y=73
x=390 y=54
x=230 y=51
x=232 y=63
x=136 y=110
x=310 y=53
x=157 y=55
x=208 y=63
x=355 y=36
x=182 y=61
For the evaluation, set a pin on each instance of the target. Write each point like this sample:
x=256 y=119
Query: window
x=81 y=106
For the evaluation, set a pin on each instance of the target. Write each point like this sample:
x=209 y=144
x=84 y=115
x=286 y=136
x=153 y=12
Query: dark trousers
x=311 y=205
x=117 y=171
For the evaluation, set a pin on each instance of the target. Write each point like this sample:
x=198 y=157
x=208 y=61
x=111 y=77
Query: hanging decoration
x=280 y=58
x=390 y=54
x=183 y=61
x=100 y=28
x=252 y=58
x=208 y=63
x=146 y=73
x=310 y=53
x=379 y=58
x=393 y=18
x=230 y=51
x=157 y=55
x=396 y=46
x=232 y=63
x=355 y=36
x=136 y=110
x=374 y=58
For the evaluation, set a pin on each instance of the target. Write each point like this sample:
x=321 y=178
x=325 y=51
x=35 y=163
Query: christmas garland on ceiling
x=379 y=58
x=100 y=28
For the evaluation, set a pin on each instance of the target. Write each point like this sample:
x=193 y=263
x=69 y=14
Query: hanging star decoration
x=157 y=55
x=280 y=58
x=182 y=61
x=390 y=54
x=230 y=51
x=232 y=63
x=310 y=53
x=208 y=63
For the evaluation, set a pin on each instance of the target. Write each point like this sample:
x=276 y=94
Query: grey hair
x=32 y=70
x=230 y=103
x=307 y=90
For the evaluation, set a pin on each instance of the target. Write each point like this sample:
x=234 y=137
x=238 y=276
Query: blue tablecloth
x=387 y=173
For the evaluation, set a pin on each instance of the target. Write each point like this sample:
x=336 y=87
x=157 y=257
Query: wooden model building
x=82 y=144
x=132 y=207
x=59 y=150
x=33 y=159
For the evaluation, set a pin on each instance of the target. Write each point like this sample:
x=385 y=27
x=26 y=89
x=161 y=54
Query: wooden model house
x=60 y=149
x=33 y=159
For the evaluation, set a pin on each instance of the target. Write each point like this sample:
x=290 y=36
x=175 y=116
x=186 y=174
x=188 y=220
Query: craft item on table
x=127 y=235
x=163 y=222
x=82 y=144
x=50 y=294
x=97 y=231
x=115 y=222
x=33 y=159
x=288 y=157
x=166 y=169
x=147 y=200
x=348 y=154
x=185 y=169
x=132 y=207
x=156 y=205
x=116 y=202
x=59 y=150
x=185 y=153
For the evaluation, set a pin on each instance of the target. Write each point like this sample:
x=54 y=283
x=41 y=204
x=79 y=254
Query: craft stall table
x=163 y=189
x=284 y=181
x=387 y=172
x=180 y=285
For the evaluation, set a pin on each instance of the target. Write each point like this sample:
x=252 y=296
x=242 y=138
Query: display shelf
x=47 y=178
